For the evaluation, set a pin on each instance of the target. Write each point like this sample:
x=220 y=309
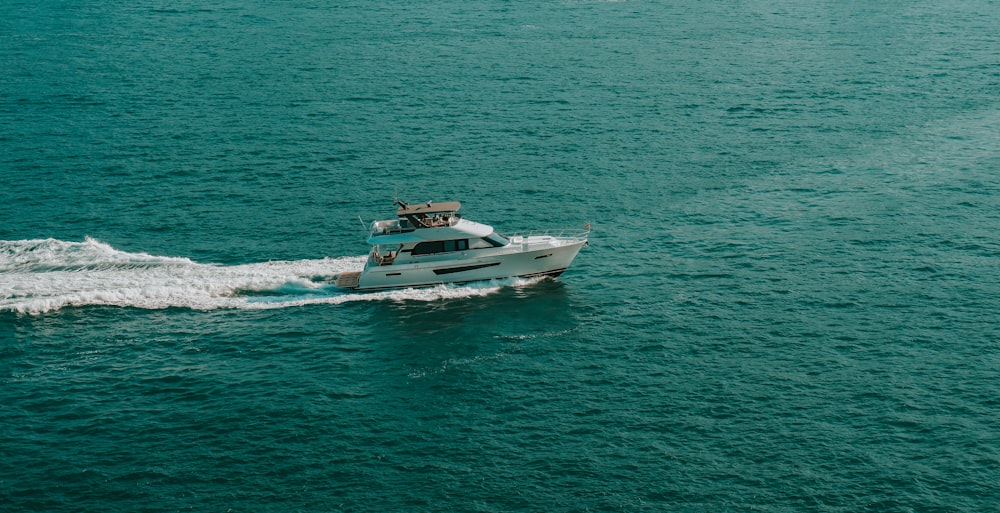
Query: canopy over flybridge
x=411 y=209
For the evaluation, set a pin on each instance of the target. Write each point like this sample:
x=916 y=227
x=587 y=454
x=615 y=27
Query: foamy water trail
x=38 y=276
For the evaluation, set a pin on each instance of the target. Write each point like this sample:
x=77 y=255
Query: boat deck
x=348 y=279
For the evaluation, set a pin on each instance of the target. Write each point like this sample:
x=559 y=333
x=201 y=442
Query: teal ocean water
x=789 y=302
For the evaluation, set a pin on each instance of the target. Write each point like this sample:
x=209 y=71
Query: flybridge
x=430 y=214
x=415 y=222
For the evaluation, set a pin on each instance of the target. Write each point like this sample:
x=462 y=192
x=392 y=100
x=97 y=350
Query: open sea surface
x=790 y=301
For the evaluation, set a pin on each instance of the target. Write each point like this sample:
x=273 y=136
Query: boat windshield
x=496 y=240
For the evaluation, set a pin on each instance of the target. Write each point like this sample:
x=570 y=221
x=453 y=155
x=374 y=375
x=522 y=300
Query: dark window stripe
x=450 y=270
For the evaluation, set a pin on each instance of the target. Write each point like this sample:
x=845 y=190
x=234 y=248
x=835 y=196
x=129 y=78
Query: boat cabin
x=446 y=232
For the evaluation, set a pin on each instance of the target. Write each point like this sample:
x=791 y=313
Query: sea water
x=789 y=302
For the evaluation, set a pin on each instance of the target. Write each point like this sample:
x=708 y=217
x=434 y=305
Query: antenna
x=396 y=200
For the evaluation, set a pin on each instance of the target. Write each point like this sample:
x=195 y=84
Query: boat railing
x=379 y=257
x=390 y=227
x=559 y=233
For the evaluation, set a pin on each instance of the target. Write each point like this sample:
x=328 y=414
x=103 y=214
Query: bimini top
x=430 y=207
x=429 y=215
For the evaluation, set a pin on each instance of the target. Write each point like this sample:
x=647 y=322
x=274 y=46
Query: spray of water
x=45 y=275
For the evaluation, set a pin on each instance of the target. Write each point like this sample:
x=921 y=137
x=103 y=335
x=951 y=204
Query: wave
x=46 y=275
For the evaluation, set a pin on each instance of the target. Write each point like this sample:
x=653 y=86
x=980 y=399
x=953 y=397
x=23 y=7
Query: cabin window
x=440 y=246
x=456 y=245
x=427 y=248
x=490 y=241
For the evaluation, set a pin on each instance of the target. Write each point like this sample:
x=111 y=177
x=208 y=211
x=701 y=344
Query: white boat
x=430 y=243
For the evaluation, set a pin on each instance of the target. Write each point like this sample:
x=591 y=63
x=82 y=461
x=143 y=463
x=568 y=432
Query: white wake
x=38 y=276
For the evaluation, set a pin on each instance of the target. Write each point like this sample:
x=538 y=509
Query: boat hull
x=532 y=260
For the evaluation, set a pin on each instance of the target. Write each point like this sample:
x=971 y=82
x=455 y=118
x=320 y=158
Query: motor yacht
x=431 y=243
